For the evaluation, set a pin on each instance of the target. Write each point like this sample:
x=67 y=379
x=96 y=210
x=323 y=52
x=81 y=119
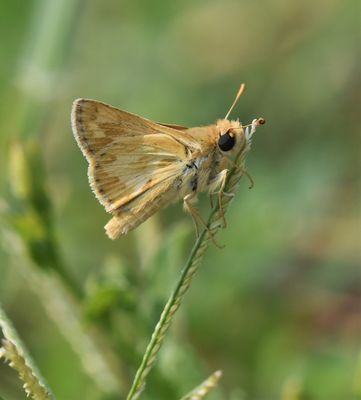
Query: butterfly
x=137 y=166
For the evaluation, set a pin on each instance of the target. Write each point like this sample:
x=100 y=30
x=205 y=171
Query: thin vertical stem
x=184 y=281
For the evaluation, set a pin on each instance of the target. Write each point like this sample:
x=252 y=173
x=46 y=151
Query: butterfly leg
x=211 y=199
x=244 y=172
x=223 y=180
x=220 y=182
x=251 y=181
x=188 y=202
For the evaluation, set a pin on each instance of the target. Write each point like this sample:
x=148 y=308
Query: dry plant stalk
x=31 y=383
x=14 y=352
x=204 y=388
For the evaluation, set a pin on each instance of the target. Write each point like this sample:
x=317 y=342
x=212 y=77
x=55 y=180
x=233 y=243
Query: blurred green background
x=278 y=310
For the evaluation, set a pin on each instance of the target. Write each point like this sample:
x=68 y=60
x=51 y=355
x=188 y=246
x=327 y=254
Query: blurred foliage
x=278 y=310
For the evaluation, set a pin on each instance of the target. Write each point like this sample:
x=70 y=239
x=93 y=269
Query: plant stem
x=14 y=352
x=204 y=388
x=170 y=308
x=185 y=279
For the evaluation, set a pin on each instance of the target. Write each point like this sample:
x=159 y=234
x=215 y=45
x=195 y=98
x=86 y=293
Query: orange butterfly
x=137 y=166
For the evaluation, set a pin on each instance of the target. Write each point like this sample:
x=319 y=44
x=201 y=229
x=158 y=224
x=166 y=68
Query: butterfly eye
x=226 y=142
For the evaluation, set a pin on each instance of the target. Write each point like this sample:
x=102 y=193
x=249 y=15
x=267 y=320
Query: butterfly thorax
x=204 y=164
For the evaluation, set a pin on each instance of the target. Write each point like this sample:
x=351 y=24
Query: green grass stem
x=185 y=279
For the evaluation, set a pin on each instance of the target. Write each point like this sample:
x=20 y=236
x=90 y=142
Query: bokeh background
x=277 y=310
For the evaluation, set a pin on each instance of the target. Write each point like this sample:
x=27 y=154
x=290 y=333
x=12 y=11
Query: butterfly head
x=230 y=136
x=233 y=136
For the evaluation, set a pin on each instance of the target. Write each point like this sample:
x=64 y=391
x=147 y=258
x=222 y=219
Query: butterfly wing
x=174 y=126
x=134 y=163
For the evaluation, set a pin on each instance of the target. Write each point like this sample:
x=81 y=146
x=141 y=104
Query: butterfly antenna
x=241 y=90
x=258 y=122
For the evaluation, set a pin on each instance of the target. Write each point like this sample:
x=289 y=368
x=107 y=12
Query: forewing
x=174 y=126
x=131 y=159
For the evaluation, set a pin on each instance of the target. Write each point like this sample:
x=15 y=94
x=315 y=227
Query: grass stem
x=214 y=223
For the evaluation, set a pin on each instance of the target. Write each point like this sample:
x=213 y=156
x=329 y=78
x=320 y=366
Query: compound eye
x=226 y=142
